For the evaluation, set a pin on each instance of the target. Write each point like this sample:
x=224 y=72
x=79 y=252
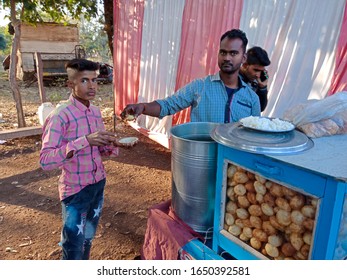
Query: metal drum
x=194 y=166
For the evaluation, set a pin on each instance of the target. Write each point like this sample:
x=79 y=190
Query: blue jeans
x=81 y=213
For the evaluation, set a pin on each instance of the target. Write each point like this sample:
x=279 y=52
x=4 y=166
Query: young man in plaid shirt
x=74 y=139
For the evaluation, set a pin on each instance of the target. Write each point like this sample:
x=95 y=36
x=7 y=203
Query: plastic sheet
x=318 y=118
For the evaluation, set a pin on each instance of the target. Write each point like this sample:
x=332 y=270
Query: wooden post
x=13 y=69
x=39 y=73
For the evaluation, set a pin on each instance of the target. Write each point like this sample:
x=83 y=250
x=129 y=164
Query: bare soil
x=30 y=212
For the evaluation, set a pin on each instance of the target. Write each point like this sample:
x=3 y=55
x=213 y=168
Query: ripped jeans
x=81 y=214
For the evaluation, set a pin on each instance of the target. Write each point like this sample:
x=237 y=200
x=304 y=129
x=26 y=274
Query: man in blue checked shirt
x=219 y=98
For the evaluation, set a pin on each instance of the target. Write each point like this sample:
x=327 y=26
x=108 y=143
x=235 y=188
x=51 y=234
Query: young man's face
x=231 y=55
x=84 y=86
x=252 y=72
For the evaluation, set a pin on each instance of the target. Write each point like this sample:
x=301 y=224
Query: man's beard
x=230 y=70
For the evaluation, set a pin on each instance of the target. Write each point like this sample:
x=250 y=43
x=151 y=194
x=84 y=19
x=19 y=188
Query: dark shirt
x=261 y=92
x=230 y=92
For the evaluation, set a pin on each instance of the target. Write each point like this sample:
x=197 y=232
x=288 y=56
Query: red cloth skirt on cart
x=166 y=234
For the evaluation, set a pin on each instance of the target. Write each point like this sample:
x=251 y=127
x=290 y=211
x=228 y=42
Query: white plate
x=254 y=125
x=128 y=140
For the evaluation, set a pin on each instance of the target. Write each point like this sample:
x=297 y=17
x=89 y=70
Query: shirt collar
x=80 y=106
x=216 y=77
x=244 y=77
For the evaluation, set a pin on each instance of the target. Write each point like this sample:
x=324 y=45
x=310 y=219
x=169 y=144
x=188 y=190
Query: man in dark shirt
x=253 y=73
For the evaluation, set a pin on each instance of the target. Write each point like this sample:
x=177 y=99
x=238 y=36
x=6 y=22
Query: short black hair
x=81 y=64
x=236 y=33
x=257 y=55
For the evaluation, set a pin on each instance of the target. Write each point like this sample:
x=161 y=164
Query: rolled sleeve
x=181 y=99
x=78 y=144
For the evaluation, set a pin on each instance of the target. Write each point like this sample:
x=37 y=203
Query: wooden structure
x=20 y=132
x=57 y=43
x=43 y=51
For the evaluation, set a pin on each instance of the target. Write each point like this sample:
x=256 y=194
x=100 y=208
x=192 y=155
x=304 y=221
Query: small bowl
x=128 y=141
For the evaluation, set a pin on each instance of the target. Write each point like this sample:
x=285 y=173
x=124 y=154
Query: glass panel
x=273 y=219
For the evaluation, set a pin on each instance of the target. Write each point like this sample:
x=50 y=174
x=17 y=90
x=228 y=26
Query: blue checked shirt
x=208 y=98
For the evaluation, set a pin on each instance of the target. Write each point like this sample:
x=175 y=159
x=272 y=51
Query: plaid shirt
x=208 y=97
x=65 y=130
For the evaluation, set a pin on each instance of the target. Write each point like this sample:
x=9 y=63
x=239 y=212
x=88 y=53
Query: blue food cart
x=277 y=196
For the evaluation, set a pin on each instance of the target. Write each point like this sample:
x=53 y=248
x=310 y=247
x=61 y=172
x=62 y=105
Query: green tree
x=94 y=39
x=108 y=23
x=2 y=42
x=33 y=11
x=5 y=41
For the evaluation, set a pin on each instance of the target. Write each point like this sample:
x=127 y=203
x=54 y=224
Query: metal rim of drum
x=234 y=135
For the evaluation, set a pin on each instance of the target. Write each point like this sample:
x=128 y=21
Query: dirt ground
x=30 y=212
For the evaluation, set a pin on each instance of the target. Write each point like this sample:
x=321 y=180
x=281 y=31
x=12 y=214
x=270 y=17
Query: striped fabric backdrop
x=161 y=45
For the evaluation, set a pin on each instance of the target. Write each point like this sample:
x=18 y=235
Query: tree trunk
x=108 y=27
x=13 y=67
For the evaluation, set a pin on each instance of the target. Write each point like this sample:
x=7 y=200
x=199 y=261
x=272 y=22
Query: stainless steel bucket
x=193 y=166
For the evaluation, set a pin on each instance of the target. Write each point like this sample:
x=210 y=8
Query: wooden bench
x=20 y=132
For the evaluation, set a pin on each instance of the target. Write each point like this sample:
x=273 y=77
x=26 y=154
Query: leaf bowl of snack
x=127 y=142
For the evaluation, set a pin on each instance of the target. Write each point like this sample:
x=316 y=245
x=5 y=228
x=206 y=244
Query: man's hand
x=263 y=82
x=132 y=111
x=101 y=138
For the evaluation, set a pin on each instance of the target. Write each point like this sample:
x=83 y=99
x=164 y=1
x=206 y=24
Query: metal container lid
x=236 y=136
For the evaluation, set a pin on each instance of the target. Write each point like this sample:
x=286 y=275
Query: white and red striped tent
x=161 y=45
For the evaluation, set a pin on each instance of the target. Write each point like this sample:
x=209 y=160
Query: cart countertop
x=328 y=156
